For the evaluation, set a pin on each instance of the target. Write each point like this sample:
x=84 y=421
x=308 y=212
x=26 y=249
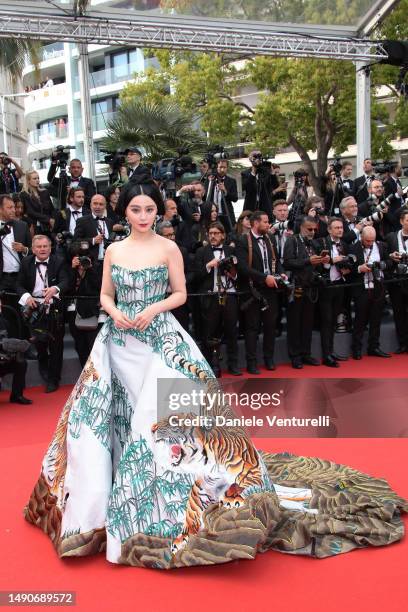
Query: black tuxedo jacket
x=21 y=234
x=350 y=190
x=296 y=259
x=255 y=272
x=349 y=234
x=230 y=197
x=84 y=183
x=360 y=189
x=205 y=280
x=63 y=219
x=87 y=228
x=391 y=186
x=357 y=277
x=250 y=185
x=58 y=275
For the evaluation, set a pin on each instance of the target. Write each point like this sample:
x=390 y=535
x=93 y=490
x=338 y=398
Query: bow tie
x=77 y=212
x=41 y=263
x=217 y=248
x=258 y=238
x=404 y=237
x=100 y=218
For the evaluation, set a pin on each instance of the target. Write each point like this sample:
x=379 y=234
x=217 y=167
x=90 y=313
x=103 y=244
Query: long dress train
x=119 y=479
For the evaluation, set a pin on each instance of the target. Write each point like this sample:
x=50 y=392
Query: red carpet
x=369 y=579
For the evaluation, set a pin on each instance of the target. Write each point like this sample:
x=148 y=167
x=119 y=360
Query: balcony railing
x=110 y=76
x=46 y=97
x=50 y=133
x=99 y=122
x=54 y=50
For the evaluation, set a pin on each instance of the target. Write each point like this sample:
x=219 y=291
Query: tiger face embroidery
x=225 y=459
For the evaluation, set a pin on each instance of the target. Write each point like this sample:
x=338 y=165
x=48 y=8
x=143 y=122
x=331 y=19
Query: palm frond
x=160 y=129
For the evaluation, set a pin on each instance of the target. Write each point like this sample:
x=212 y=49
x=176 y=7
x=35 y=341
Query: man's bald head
x=368 y=236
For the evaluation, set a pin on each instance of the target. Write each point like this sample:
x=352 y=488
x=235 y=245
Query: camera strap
x=368 y=276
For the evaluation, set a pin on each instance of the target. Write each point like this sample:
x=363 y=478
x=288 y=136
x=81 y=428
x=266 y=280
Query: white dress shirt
x=74 y=217
x=11 y=260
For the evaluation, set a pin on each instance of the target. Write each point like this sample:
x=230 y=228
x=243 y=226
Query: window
x=123 y=64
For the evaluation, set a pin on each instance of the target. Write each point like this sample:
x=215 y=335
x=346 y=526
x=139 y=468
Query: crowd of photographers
x=329 y=261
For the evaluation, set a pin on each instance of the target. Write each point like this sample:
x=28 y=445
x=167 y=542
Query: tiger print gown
x=115 y=478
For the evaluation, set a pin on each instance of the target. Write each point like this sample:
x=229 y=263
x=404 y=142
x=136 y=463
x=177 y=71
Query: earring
x=154 y=224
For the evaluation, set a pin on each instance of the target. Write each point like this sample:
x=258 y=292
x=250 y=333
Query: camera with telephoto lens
x=227 y=264
x=377 y=268
x=280 y=226
x=5 y=230
x=61 y=155
x=114 y=159
x=347 y=262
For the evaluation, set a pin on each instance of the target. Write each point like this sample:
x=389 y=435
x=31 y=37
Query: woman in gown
x=118 y=478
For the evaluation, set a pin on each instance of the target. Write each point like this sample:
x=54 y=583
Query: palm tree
x=13 y=55
x=160 y=129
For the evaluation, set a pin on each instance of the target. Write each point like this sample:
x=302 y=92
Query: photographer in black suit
x=258 y=184
x=219 y=312
x=63 y=183
x=182 y=231
x=15 y=244
x=42 y=279
x=259 y=269
x=369 y=296
x=300 y=257
x=331 y=300
x=392 y=184
x=95 y=228
x=14 y=363
x=66 y=219
x=222 y=190
x=363 y=182
x=397 y=243
x=85 y=281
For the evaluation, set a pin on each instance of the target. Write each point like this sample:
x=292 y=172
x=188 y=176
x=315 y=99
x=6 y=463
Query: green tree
x=203 y=85
x=394 y=27
x=160 y=129
x=309 y=105
x=13 y=55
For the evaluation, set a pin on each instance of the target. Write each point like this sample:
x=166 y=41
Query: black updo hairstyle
x=142 y=184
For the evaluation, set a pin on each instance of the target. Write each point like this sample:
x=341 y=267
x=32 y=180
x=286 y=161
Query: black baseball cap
x=133 y=150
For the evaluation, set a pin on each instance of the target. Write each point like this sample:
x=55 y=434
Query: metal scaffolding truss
x=43 y=22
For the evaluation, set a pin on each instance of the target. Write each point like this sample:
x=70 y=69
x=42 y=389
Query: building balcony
x=42 y=101
x=112 y=76
x=99 y=123
x=49 y=134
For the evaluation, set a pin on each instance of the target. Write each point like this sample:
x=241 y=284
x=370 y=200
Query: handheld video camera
x=61 y=155
x=114 y=159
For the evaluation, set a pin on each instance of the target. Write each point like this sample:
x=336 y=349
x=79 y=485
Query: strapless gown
x=117 y=478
